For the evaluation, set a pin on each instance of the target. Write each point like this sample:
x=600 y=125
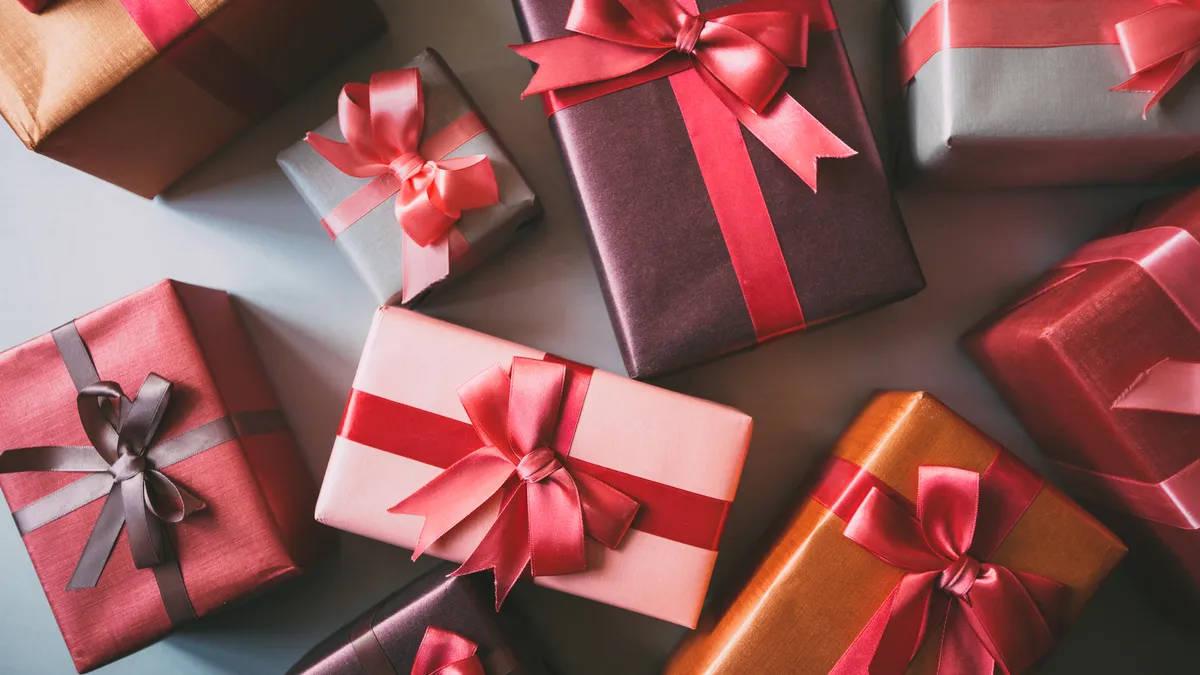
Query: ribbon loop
x=544 y=517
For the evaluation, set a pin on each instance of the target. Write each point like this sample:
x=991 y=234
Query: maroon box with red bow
x=724 y=165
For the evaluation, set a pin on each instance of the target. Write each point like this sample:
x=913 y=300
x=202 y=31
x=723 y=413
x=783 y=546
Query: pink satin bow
x=383 y=123
x=444 y=652
x=1161 y=45
x=546 y=509
x=744 y=57
x=985 y=614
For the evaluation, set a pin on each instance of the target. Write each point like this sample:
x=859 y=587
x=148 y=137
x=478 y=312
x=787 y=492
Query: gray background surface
x=69 y=243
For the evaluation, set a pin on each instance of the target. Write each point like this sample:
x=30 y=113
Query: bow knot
x=1160 y=45
x=960 y=576
x=689 y=35
x=127 y=466
x=407 y=166
x=546 y=509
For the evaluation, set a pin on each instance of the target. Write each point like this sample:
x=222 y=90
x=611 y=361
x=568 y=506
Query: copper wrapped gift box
x=923 y=547
x=149 y=469
x=432 y=626
x=426 y=199
x=694 y=148
x=1049 y=92
x=137 y=92
x=506 y=458
x=1099 y=361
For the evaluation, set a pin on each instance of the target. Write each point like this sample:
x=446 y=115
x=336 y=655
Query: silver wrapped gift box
x=374 y=244
x=1039 y=115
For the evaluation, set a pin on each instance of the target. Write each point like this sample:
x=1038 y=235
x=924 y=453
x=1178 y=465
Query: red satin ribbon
x=444 y=652
x=1159 y=38
x=383 y=123
x=983 y=614
x=547 y=509
x=35 y=6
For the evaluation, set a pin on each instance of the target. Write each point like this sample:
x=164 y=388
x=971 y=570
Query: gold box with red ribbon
x=137 y=92
x=515 y=462
x=724 y=166
x=923 y=547
x=1100 y=360
x=149 y=469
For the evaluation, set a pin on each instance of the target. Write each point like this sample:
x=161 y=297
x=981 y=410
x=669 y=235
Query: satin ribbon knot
x=984 y=614
x=744 y=56
x=1161 y=46
x=383 y=122
x=547 y=509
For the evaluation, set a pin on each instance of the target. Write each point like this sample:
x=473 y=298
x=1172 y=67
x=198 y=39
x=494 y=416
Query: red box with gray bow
x=1099 y=360
x=149 y=469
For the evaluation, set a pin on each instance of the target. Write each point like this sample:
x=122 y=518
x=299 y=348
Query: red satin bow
x=1161 y=45
x=382 y=123
x=546 y=509
x=743 y=56
x=443 y=652
x=985 y=614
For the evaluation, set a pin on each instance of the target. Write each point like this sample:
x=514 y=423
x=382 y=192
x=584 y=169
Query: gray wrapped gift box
x=374 y=244
x=1040 y=116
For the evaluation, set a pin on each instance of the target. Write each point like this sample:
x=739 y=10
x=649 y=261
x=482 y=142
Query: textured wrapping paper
x=1075 y=344
x=815 y=589
x=643 y=439
x=1040 y=116
x=458 y=604
x=82 y=82
x=374 y=244
x=664 y=265
x=257 y=528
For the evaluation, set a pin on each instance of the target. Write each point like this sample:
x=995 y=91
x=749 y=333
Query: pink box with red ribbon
x=1101 y=362
x=481 y=451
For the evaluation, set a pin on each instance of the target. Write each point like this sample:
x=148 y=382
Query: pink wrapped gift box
x=679 y=457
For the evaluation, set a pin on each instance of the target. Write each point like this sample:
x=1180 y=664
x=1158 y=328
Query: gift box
x=921 y=547
x=698 y=178
x=137 y=92
x=413 y=214
x=503 y=457
x=1098 y=360
x=151 y=412
x=1055 y=92
x=394 y=636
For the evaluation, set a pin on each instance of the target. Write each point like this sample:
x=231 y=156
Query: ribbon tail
x=505 y=548
x=1160 y=79
x=455 y=494
x=962 y=652
x=147 y=537
x=1007 y=620
x=788 y=130
x=907 y=624
x=607 y=512
x=424 y=266
x=100 y=542
x=557 y=544
x=576 y=60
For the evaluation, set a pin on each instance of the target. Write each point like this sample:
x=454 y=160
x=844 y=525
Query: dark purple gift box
x=664 y=265
x=457 y=604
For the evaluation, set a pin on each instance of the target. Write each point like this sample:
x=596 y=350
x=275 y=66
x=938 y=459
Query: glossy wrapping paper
x=1071 y=347
x=814 y=591
x=642 y=439
x=459 y=604
x=374 y=244
x=664 y=265
x=1037 y=116
x=84 y=83
x=256 y=529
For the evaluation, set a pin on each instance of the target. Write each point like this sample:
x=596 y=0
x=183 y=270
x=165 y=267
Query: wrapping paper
x=257 y=528
x=1071 y=347
x=815 y=590
x=1040 y=116
x=665 y=268
x=458 y=604
x=82 y=83
x=374 y=244
x=642 y=438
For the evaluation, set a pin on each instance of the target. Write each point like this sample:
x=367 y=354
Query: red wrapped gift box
x=222 y=440
x=1099 y=362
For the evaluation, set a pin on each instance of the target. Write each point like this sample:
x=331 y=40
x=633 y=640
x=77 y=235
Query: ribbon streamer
x=983 y=614
x=546 y=508
x=444 y=652
x=382 y=123
x=1160 y=39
